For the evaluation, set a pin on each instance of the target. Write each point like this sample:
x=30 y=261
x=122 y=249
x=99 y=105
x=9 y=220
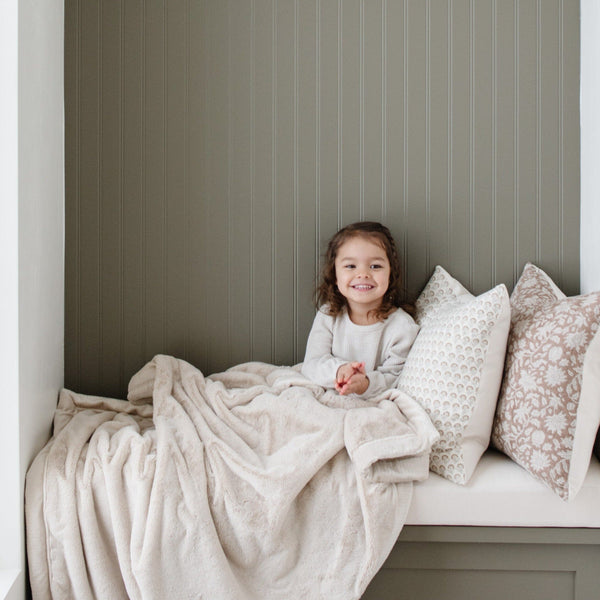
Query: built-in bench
x=503 y=536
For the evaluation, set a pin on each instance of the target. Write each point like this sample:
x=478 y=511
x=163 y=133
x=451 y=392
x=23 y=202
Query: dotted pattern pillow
x=454 y=369
x=549 y=407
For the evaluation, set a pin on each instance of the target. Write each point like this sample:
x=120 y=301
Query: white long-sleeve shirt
x=383 y=347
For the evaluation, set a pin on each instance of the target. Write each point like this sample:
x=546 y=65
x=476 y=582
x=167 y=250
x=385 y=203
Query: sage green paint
x=213 y=146
x=470 y=563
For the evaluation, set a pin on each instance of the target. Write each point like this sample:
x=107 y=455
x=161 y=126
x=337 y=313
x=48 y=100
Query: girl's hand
x=358 y=384
x=351 y=378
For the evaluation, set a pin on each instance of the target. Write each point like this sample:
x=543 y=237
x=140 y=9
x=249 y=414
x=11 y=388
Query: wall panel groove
x=100 y=232
x=516 y=144
x=317 y=134
x=404 y=107
x=296 y=223
x=252 y=183
x=384 y=126
x=428 y=136
x=274 y=175
x=561 y=210
x=121 y=226
x=361 y=91
x=494 y=143
x=212 y=148
x=450 y=91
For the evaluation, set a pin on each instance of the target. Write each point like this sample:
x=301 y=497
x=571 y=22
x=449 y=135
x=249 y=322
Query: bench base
x=495 y=563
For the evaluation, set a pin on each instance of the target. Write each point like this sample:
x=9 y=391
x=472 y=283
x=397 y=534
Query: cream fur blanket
x=249 y=484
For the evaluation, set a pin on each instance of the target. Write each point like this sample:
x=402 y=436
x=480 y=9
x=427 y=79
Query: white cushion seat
x=502 y=494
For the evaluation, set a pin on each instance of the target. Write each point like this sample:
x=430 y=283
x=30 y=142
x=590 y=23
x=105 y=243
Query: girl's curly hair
x=327 y=292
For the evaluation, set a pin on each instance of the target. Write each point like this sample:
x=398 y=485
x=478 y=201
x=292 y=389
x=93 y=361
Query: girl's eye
x=349 y=266
x=376 y=266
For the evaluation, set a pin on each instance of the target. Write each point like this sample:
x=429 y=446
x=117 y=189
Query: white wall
x=32 y=254
x=590 y=146
x=11 y=545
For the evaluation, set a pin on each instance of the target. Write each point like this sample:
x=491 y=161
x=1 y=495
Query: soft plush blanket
x=249 y=484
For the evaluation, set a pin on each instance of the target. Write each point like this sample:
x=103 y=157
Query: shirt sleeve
x=403 y=334
x=319 y=364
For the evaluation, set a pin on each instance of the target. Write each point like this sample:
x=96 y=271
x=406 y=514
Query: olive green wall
x=213 y=146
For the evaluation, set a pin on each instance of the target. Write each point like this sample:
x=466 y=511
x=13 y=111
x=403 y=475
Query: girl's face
x=362 y=271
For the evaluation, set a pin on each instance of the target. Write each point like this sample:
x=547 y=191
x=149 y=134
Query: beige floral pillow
x=549 y=406
x=454 y=369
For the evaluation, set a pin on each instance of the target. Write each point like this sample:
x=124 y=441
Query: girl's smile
x=362 y=272
x=363 y=287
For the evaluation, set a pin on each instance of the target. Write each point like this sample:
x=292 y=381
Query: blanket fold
x=252 y=484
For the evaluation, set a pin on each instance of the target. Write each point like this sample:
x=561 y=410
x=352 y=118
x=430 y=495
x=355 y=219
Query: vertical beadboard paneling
x=263 y=93
x=197 y=170
x=483 y=152
x=72 y=172
x=460 y=149
x=214 y=147
x=239 y=179
x=176 y=230
x=73 y=56
x=219 y=261
x=328 y=121
x=396 y=28
x=349 y=103
x=111 y=192
x=527 y=239
x=155 y=198
x=306 y=166
x=372 y=120
x=438 y=137
x=549 y=202
x=568 y=269
x=132 y=197
x=88 y=199
x=506 y=156
x=284 y=191
x=416 y=76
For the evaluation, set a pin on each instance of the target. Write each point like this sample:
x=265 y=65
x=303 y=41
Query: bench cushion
x=501 y=493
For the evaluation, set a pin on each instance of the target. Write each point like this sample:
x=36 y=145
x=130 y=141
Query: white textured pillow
x=454 y=369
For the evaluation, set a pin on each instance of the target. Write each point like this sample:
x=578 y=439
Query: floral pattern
x=536 y=418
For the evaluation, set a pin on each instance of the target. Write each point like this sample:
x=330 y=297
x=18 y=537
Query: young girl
x=360 y=336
